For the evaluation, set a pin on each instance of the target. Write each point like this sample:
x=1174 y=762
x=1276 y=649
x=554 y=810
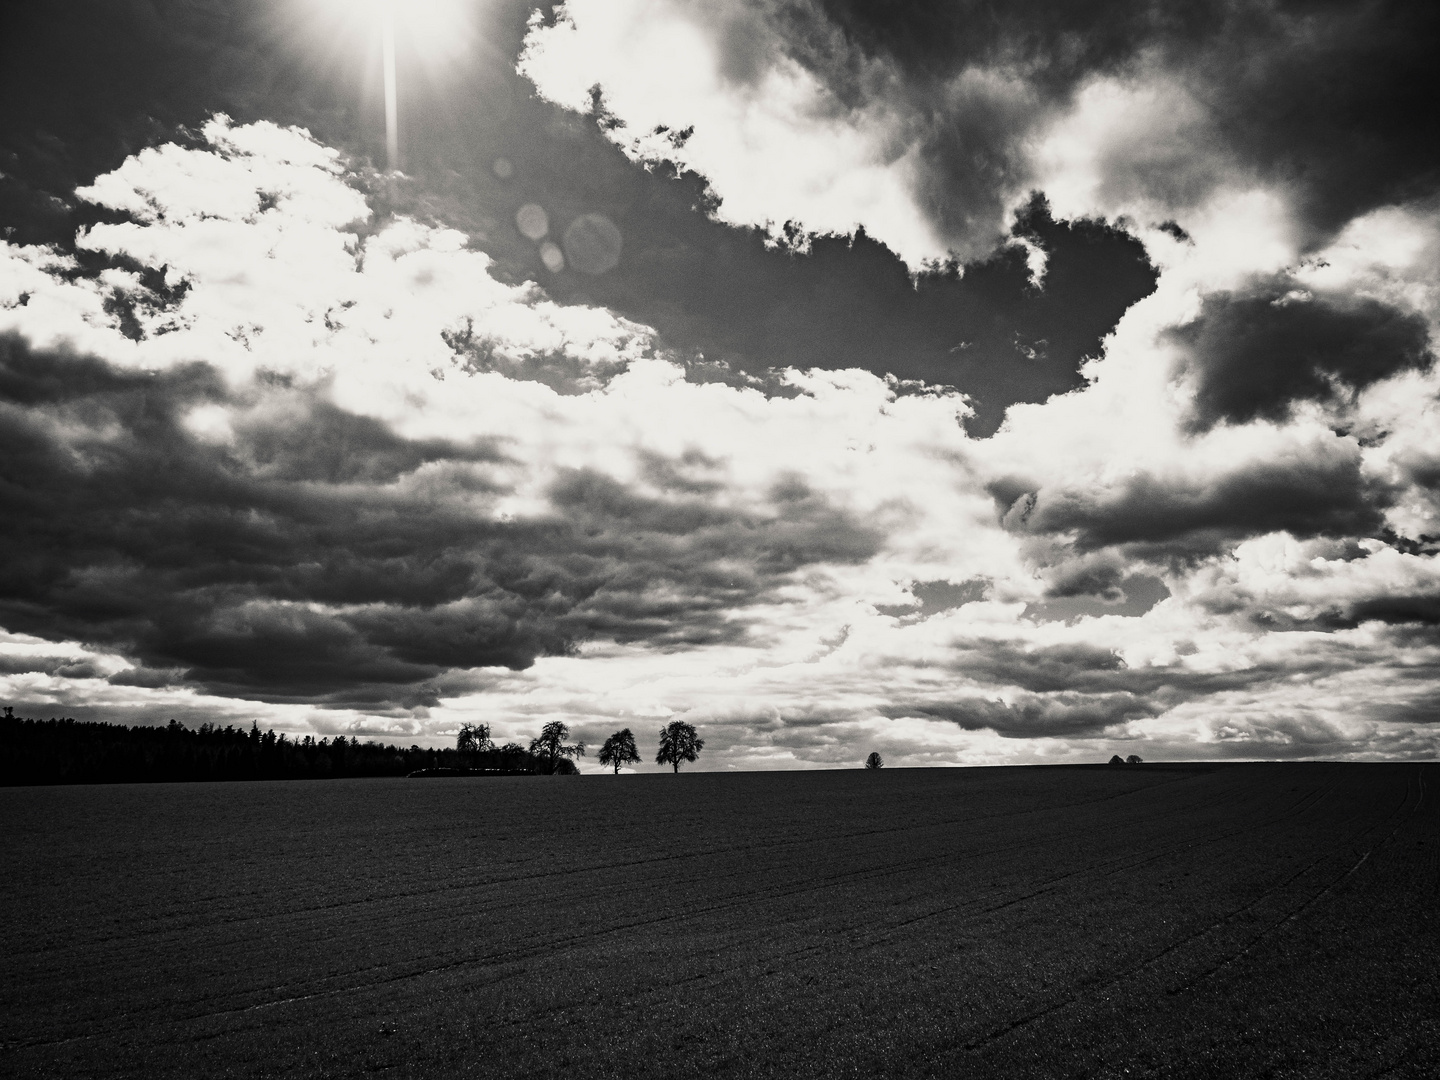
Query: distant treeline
x=71 y=752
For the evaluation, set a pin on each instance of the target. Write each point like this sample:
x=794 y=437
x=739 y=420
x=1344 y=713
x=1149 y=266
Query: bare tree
x=473 y=739
x=619 y=749
x=550 y=745
x=874 y=761
x=678 y=743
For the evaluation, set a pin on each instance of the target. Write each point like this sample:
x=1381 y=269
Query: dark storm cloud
x=1323 y=495
x=1399 y=609
x=1254 y=353
x=1328 y=97
x=87 y=83
x=1086 y=671
x=297 y=564
x=1096 y=576
x=1422 y=470
x=1415 y=617
x=1056 y=45
x=726 y=296
x=673 y=572
x=937 y=596
x=1074 y=595
x=65 y=667
x=850 y=302
x=1063 y=715
x=1049 y=669
x=1079 y=691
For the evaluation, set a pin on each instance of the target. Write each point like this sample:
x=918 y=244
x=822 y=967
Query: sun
x=434 y=30
x=429 y=33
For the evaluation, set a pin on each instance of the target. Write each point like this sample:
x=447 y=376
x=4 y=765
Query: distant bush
x=874 y=761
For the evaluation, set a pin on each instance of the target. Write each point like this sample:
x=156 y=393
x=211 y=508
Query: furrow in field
x=919 y=925
x=493 y=959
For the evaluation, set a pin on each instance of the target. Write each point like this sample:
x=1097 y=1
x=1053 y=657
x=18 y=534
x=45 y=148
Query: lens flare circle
x=592 y=244
x=552 y=257
x=532 y=221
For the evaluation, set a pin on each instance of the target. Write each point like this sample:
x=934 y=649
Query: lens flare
x=392 y=100
x=592 y=244
x=532 y=221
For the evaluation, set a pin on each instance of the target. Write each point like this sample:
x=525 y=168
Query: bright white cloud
x=772 y=139
x=718 y=89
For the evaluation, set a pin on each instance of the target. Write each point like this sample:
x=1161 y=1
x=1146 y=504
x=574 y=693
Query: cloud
x=244 y=519
x=284 y=453
x=987 y=330
x=713 y=88
x=930 y=129
x=1064 y=714
x=1098 y=590
x=1281 y=581
x=715 y=294
x=1252 y=355
x=316 y=554
x=1320 y=493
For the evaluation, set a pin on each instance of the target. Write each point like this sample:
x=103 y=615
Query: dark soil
x=1151 y=920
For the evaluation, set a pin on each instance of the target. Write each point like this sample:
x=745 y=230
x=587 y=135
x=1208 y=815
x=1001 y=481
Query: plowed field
x=1244 y=920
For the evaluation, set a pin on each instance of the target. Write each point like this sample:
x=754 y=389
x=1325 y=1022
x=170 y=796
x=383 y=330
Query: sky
x=970 y=383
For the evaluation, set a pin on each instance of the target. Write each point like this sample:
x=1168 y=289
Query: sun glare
x=430 y=33
x=435 y=30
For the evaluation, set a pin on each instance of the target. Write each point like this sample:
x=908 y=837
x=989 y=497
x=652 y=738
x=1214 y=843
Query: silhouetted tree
x=473 y=740
x=874 y=761
x=678 y=743
x=550 y=745
x=1133 y=759
x=1116 y=759
x=619 y=749
x=513 y=756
